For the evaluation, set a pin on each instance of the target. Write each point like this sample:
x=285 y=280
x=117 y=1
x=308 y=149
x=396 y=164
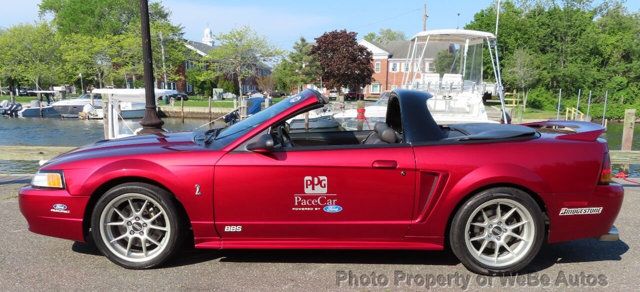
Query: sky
x=283 y=22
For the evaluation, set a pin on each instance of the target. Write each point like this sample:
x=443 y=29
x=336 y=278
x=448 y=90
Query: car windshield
x=259 y=118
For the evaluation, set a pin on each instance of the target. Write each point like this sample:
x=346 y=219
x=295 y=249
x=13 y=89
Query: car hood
x=134 y=145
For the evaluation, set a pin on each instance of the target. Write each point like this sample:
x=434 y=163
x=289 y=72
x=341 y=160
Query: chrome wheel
x=500 y=232
x=135 y=227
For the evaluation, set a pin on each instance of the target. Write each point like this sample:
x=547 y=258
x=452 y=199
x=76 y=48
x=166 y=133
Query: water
x=72 y=132
x=69 y=132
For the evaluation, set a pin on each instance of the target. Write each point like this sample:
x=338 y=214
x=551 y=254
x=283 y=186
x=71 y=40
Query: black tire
x=166 y=202
x=457 y=232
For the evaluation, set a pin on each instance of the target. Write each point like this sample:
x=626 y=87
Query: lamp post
x=151 y=122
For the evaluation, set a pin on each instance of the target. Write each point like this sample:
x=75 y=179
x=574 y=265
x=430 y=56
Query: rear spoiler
x=569 y=130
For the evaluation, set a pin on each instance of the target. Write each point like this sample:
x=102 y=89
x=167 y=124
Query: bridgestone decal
x=580 y=211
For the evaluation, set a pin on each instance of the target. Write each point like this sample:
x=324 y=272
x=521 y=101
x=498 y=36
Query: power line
x=387 y=19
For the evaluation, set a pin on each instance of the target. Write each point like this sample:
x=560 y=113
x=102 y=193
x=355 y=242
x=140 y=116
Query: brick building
x=391 y=62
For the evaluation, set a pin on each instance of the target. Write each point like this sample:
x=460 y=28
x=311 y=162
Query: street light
x=151 y=122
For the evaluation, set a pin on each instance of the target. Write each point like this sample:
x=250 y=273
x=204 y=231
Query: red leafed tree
x=344 y=63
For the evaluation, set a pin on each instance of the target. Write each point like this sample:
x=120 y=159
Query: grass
x=21 y=99
x=195 y=101
x=536 y=114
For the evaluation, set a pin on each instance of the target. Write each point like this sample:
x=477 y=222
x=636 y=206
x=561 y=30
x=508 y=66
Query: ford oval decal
x=60 y=207
x=332 y=208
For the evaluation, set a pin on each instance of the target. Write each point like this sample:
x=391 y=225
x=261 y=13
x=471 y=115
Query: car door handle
x=389 y=164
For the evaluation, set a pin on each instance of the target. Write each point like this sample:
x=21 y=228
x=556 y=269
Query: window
x=394 y=87
x=377 y=67
x=375 y=88
x=405 y=68
x=394 y=67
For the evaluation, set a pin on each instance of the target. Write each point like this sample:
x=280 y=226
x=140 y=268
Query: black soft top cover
x=408 y=114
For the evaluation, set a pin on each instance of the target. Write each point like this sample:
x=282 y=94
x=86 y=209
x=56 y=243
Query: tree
x=385 y=35
x=520 y=69
x=343 y=61
x=30 y=53
x=298 y=68
x=109 y=31
x=99 y=18
x=240 y=53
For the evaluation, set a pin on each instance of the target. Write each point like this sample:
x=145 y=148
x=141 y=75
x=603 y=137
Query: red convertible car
x=491 y=193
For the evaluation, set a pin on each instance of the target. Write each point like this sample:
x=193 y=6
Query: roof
x=200 y=48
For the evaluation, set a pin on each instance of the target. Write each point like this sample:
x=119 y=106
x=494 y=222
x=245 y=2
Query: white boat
x=123 y=104
x=448 y=63
x=40 y=108
x=458 y=90
x=71 y=108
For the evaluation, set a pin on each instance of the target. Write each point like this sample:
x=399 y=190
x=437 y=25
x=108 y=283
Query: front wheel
x=497 y=231
x=136 y=225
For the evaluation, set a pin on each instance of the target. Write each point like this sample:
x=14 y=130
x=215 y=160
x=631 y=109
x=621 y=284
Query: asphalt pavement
x=33 y=262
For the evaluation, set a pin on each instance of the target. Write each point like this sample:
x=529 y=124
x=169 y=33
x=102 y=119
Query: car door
x=338 y=193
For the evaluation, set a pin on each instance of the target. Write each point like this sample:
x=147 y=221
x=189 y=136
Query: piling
x=604 y=111
x=627 y=130
x=210 y=114
x=559 y=101
x=182 y=109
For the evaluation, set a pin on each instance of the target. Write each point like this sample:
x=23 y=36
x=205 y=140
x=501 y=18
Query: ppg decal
x=315 y=184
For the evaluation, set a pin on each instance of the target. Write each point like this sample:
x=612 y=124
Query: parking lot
x=33 y=262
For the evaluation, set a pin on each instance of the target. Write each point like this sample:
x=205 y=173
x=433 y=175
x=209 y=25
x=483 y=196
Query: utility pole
x=164 y=68
x=151 y=122
x=497 y=17
x=425 y=16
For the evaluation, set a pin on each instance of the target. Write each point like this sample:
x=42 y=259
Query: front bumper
x=53 y=212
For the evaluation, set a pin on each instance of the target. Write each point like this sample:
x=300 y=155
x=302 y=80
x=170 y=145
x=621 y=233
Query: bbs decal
x=231 y=228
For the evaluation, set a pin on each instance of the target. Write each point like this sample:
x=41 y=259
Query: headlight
x=48 y=179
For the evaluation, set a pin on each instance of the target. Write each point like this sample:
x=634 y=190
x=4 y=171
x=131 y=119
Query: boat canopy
x=130 y=94
x=455 y=35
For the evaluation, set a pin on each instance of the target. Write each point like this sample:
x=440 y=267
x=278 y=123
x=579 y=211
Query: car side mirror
x=264 y=144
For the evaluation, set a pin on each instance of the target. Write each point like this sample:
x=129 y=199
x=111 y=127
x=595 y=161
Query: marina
x=20 y=153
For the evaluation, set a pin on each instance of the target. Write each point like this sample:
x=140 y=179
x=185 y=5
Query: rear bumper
x=53 y=212
x=574 y=226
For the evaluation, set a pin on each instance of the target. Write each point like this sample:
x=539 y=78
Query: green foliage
x=568 y=45
x=446 y=62
x=240 y=53
x=298 y=68
x=30 y=54
x=385 y=35
x=98 y=39
x=99 y=18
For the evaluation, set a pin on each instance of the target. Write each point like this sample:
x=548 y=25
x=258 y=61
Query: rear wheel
x=136 y=225
x=497 y=231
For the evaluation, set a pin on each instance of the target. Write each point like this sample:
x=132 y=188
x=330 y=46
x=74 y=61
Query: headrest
x=388 y=135
x=385 y=133
x=380 y=126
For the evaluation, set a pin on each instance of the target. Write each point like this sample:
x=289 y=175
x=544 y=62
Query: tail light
x=605 y=174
